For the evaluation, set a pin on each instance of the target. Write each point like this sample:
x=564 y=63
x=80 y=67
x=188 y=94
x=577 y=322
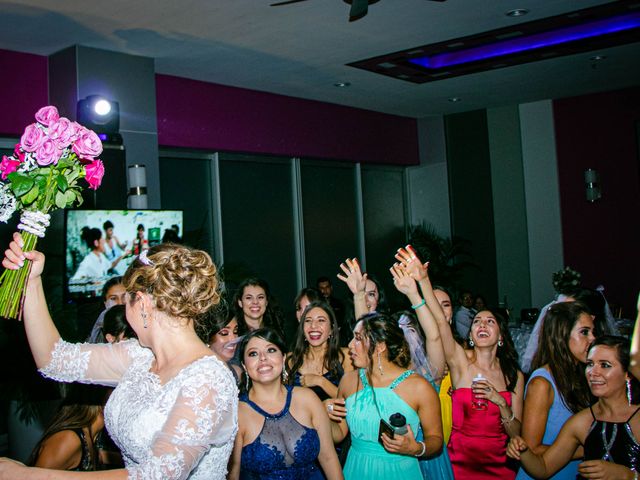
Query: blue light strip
x=535 y=41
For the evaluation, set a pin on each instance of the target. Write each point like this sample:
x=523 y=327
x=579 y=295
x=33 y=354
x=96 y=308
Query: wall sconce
x=593 y=190
x=137 y=187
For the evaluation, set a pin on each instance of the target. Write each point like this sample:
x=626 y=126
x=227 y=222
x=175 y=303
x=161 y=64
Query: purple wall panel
x=601 y=239
x=203 y=115
x=23 y=90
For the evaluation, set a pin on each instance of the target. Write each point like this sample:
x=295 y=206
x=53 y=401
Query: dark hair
x=382 y=298
x=79 y=409
x=106 y=225
x=272 y=316
x=268 y=335
x=553 y=350
x=90 y=235
x=323 y=279
x=140 y=227
x=623 y=352
x=452 y=324
x=170 y=235
x=312 y=295
x=333 y=357
x=381 y=328
x=219 y=319
x=595 y=302
x=506 y=354
x=110 y=283
x=115 y=323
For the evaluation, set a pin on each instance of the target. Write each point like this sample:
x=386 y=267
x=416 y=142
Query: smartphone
x=385 y=428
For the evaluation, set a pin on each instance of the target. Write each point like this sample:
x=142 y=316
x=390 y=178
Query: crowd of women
x=198 y=393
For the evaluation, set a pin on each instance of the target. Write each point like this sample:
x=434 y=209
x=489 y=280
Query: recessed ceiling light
x=597 y=58
x=454 y=99
x=517 y=12
x=342 y=84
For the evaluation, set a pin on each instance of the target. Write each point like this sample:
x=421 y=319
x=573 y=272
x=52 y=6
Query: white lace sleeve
x=102 y=364
x=203 y=418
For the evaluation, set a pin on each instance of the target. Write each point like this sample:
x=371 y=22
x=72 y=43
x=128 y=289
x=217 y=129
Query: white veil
x=416 y=347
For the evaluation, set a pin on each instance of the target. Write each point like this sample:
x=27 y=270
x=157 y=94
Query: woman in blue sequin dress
x=283 y=431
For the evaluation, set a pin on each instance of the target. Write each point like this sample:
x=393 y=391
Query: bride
x=174 y=410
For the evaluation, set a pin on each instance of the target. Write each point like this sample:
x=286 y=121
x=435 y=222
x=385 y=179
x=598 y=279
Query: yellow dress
x=445 y=407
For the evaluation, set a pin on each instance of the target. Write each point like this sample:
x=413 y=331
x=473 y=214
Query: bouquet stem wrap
x=14 y=282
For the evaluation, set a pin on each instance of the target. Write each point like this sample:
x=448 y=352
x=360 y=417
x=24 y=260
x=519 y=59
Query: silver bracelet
x=424 y=449
x=508 y=419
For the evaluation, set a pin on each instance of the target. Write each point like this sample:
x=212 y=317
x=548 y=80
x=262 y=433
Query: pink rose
x=32 y=138
x=8 y=165
x=93 y=173
x=63 y=132
x=47 y=115
x=87 y=146
x=48 y=153
x=18 y=153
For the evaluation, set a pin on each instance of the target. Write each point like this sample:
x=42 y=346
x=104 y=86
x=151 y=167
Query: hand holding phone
x=386 y=429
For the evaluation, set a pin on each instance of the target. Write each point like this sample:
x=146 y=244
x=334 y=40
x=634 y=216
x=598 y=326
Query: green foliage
x=447 y=257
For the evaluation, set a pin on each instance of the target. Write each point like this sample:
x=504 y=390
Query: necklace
x=608 y=444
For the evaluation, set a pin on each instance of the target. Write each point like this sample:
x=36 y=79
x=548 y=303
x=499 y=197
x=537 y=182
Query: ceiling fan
x=359 y=8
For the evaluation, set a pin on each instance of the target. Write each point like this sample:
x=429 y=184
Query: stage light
x=102 y=107
x=99 y=114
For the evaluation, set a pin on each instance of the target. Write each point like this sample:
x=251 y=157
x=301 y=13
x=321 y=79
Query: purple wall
x=601 y=239
x=23 y=90
x=215 y=117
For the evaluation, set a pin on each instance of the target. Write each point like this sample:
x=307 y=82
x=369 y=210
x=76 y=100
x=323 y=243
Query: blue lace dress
x=284 y=449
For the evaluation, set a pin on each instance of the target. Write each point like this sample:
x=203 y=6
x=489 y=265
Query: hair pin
x=144 y=259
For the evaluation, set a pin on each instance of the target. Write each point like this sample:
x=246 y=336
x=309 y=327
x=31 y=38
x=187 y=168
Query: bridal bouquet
x=566 y=280
x=54 y=153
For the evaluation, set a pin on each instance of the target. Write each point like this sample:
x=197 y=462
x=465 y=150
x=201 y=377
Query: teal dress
x=367 y=458
x=438 y=467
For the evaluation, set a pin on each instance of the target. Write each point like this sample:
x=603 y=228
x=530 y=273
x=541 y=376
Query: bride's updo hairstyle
x=182 y=281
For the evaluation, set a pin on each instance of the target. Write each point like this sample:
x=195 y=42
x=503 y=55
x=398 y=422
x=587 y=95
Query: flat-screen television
x=123 y=235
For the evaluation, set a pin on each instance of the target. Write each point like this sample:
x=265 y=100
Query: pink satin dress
x=478 y=442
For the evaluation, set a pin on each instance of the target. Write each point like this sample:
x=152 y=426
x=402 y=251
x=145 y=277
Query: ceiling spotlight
x=597 y=58
x=342 y=84
x=102 y=107
x=517 y=12
x=454 y=99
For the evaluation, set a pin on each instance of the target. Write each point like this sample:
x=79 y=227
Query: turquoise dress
x=367 y=458
x=438 y=467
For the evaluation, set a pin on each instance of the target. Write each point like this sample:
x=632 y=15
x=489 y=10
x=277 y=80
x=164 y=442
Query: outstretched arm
x=406 y=284
x=453 y=353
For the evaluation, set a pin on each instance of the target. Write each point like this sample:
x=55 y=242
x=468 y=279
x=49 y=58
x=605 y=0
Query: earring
x=629 y=399
x=471 y=344
x=500 y=343
x=380 y=364
x=285 y=375
x=143 y=314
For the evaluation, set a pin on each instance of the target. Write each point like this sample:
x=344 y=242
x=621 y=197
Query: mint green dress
x=367 y=458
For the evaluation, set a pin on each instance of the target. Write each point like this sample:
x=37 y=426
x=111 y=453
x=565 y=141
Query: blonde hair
x=182 y=281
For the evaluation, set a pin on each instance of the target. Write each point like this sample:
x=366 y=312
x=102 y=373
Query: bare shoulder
x=349 y=383
x=304 y=395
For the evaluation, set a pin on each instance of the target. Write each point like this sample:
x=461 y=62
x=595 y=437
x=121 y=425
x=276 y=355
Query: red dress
x=478 y=443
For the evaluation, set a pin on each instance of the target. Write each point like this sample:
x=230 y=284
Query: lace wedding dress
x=181 y=429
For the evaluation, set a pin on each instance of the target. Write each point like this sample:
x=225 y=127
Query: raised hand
x=408 y=258
x=353 y=276
x=14 y=257
x=403 y=282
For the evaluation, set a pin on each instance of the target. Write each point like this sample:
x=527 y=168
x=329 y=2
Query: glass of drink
x=478 y=403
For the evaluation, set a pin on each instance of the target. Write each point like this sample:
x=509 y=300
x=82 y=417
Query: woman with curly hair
x=255 y=307
x=557 y=388
x=173 y=412
x=383 y=385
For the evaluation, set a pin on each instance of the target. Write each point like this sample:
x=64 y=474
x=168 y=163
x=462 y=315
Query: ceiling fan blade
x=286 y=2
x=359 y=9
